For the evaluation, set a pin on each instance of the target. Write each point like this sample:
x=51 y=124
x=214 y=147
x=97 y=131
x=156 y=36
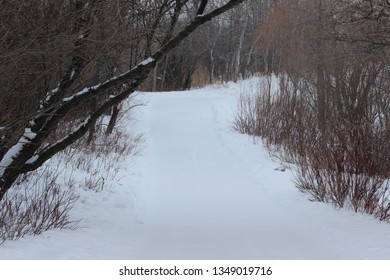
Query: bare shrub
x=99 y=159
x=348 y=171
x=346 y=165
x=37 y=204
x=330 y=116
x=273 y=113
x=360 y=192
x=246 y=118
x=254 y=107
x=44 y=199
x=101 y=162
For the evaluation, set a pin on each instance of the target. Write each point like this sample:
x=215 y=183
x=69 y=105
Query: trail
x=212 y=194
x=202 y=191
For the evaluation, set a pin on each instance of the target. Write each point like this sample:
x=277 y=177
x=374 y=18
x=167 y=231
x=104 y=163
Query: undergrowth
x=43 y=199
x=344 y=161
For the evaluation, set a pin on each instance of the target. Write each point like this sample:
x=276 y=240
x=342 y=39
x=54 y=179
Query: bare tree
x=70 y=89
x=369 y=20
x=225 y=49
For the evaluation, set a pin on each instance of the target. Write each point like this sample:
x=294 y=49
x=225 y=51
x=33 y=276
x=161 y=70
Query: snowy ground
x=202 y=191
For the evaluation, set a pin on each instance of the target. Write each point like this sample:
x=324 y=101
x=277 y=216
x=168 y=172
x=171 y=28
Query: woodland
x=65 y=65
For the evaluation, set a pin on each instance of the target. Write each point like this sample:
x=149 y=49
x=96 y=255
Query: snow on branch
x=26 y=139
x=131 y=74
x=39 y=158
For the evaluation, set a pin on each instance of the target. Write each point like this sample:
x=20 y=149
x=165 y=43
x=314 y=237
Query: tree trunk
x=240 y=50
x=320 y=71
x=113 y=119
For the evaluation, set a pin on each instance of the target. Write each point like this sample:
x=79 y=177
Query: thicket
x=330 y=116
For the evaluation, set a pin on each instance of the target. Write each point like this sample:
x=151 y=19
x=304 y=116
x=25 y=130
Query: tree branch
x=202 y=7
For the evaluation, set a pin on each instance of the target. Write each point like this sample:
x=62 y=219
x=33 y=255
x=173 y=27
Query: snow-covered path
x=213 y=194
x=202 y=191
x=203 y=199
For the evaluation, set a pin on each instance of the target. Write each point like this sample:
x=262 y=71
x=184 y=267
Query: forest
x=65 y=66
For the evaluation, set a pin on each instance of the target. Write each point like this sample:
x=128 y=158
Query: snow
x=6 y=161
x=81 y=92
x=28 y=134
x=27 y=137
x=147 y=61
x=72 y=74
x=202 y=191
x=95 y=87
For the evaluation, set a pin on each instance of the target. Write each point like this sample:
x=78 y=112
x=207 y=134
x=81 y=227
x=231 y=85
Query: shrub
x=43 y=199
x=37 y=204
x=347 y=164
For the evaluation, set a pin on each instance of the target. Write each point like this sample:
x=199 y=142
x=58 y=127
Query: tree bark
x=202 y=7
x=113 y=119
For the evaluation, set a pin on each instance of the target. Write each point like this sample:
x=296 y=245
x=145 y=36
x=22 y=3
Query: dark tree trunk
x=113 y=119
